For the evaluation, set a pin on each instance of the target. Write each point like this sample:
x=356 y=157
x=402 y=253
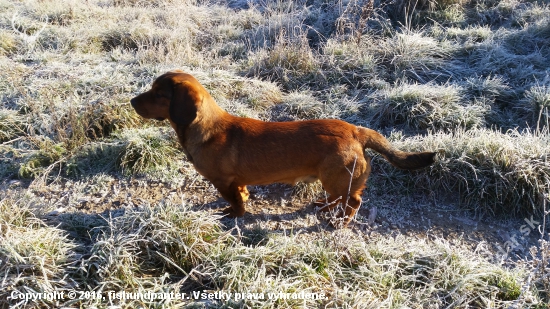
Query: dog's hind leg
x=244 y=193
x=345 y=184
x=352 y=206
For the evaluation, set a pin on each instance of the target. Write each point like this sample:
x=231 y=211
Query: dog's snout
x=133 y=102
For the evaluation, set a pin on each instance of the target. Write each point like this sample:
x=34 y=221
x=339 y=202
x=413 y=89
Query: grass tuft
x=427 y=107
x=33 y=256
x=493 y=172
x=417 y=56
x=48 y=155
x=292 y=63
x=537 y=103
x=145 y=149
x=155 y=240
x=12 y=125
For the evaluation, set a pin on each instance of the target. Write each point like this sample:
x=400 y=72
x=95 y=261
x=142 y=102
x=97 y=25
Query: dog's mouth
x=146 y=115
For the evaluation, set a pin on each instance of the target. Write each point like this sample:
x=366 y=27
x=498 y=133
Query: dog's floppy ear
x=183 y=105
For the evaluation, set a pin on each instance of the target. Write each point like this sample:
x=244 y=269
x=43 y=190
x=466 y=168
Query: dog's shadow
x=274 y=203
x=275 y=209
x=253 y=214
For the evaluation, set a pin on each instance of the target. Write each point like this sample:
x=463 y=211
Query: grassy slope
x=467 y=78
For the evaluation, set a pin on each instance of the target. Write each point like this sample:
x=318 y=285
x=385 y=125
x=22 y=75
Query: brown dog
x=233 y=152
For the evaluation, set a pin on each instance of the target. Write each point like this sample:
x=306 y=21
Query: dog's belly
x=306 y=179
x=266 y=179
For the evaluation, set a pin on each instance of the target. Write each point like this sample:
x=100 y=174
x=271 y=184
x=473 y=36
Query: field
x=96 y=201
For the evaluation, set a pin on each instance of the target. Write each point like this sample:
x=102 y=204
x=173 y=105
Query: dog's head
x=174 y=95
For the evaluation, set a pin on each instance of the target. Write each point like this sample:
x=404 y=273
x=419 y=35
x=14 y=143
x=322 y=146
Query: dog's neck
x=209 y=122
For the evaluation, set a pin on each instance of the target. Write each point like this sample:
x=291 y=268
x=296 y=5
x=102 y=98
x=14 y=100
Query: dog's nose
x=133 y=102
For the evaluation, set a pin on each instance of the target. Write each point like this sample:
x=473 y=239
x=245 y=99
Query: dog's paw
x=339 y=220
x=229 y=212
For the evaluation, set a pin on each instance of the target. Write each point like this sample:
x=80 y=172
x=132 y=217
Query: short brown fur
x=233 y=152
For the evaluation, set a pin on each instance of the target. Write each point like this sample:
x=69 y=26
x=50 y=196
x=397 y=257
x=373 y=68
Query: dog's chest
x=188 y=155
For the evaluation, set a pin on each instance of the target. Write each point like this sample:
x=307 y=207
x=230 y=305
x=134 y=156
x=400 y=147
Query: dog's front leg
x=235 y=195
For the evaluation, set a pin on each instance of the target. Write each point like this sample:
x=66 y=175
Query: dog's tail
x=404 y=160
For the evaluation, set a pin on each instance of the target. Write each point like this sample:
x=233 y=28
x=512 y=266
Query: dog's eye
x=158 y=96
